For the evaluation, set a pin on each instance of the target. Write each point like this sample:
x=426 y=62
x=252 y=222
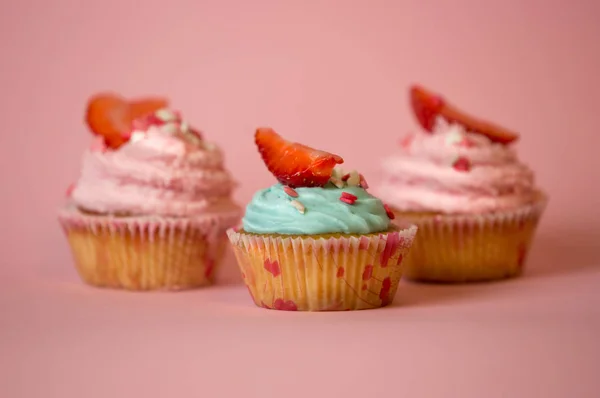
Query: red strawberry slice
x=110 y=115
x=427 y=106
x=293 y=164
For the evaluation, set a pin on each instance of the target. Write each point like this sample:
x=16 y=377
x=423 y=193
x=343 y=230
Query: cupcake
x=153 y=201
x=317 y=240
x=461 y=182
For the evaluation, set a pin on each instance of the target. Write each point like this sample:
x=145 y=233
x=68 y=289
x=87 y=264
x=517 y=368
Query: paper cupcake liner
x=329 y=273
x=146 y=253
x=470 y=248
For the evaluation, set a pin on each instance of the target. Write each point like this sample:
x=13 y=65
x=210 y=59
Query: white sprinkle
x=337 y=182
x=299 y=206
x=354 y=179
x=166 y=115
x=137 y=136
x=209 y=146
x=454 y=137
x=184 y=127
x=170 y=128
x=193 y=139
x=337 y=172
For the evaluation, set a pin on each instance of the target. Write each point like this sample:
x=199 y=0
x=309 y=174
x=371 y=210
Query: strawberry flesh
x=111 y=116
x=427 y=106
x=293 y=164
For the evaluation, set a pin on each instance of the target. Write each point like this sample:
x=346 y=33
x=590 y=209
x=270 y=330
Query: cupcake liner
x=322 y=273
x=146 y=253
x=470 y=248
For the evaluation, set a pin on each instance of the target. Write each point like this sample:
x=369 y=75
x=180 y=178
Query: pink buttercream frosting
x=164 y=170
x=453 y=171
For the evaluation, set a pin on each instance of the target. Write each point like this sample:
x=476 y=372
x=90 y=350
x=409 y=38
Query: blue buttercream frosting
x=271 y=211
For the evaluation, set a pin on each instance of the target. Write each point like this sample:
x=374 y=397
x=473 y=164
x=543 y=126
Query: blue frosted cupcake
x=317 y=240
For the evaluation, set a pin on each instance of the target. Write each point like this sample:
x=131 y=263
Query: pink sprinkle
x=70 y=190
x=462 y=164
x=196 y=133
x=345 y=177
x=290 y=191
x=347 y=200
x=144 y=122
x=389 y=212
x=406 y=141
x=363 y=182
x=98 y=145
x=349 y=196
x=466 y=143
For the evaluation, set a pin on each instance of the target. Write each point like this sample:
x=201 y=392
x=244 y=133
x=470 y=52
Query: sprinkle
x=337 y=182
x=170 y=128
x=193 y=139
x=349 y=196
x=406 y=141
x=290 y=191
x=454 y=137
x=337 y=173
x=209 y=146
x=299 y=206
x=145 y=122
x=98 y=144
x=192 y=135
x=136 y=136
x=389 y=212
x=363 y=182
x=196 y=133
x=462 y=164
x=466 y=143
x=166 y=115
x=354 y=179
x=345 y=177
x=70 y=190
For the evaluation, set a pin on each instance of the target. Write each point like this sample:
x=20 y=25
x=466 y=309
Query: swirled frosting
x=454 y=171
x=272 y=211
x=164 y=169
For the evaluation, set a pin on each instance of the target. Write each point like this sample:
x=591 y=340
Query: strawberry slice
x=293 y=164
x=427 y=106
x=111 y=116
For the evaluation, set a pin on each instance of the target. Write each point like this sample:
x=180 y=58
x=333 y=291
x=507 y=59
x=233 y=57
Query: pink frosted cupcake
x=153 y=201
x=460 y=181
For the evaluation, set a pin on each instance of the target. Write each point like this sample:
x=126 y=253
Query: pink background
x=333 y=74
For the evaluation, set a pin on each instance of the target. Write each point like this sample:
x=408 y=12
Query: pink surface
x=324 y=71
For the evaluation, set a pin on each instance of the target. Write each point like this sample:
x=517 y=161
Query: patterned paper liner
x=146 y=253
x=471 y=248
x=322 y=273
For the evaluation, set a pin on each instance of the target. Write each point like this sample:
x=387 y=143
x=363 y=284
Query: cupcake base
x=471 y=248
x=322 y=273
x=145 y=253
